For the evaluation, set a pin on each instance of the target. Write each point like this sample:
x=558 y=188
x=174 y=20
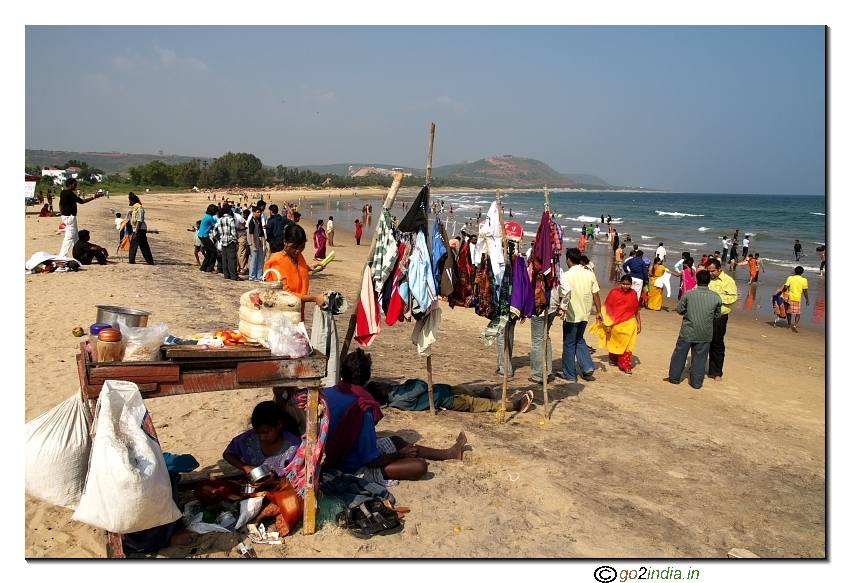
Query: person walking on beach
x=745 y=247
x=256 y=241
x=358 y=230
x=726 y=288
x=733 y=256
x=636 y=267
x=139 y=238
x=320 y=240
x=661 y=252
x=798 y=249
x=797 y=286
x=619 y=256
x=68 y=201
x=615 y=243
x=822 y=260
x=579 y=293
x=329 y=230
x=725 y=249
x=243 y=254
x=699 y=309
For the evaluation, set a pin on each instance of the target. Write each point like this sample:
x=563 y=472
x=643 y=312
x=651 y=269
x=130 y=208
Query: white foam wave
x=693 y=243
x=578 y=229
x=586 y=219
x=703 y=229
x=675 y=214
x=532 y=222
x=819 y=214
x=643 y=236
x=792 y=264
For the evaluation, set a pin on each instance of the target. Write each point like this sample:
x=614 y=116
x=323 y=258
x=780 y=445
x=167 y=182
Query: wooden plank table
x=191 y=369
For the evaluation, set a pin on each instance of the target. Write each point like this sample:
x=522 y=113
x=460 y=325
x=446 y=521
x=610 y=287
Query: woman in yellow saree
x=621 y=324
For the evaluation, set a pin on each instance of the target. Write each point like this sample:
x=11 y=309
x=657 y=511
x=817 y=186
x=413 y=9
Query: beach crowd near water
x=610 y=283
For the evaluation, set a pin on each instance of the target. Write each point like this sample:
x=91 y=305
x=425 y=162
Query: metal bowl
x=116 y=315
x=248 y=489
x=259 y=474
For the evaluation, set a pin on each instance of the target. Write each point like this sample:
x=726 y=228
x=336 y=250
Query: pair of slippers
x=371 y=517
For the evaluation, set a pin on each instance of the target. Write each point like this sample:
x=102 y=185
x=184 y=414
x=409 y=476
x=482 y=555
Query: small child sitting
x=269 y=442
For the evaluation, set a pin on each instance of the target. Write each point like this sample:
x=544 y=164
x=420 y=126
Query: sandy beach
x=627 y=466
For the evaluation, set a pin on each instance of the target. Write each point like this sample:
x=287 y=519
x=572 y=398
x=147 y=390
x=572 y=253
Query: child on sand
x=271 y=441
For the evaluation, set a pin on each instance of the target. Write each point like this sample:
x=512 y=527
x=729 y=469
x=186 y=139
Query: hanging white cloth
x=490 y=239
x=425 y=331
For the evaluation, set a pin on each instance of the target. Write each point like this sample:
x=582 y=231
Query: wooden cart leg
x=309 y=526
x=114 y=546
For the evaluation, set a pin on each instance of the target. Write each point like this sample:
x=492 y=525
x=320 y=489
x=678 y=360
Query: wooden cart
x=191 y=369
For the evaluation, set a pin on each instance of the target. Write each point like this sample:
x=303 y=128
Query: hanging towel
x=491 y=231
x=420 y=276
x=438 y=252
x=386 y=250
x=368 y=317
x=324 y=335
x=425 y=331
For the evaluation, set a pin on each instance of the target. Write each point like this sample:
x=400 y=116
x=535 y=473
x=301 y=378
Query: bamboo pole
x=506 y=330
x=388 y=204
x=546 y=330
x=428 y=358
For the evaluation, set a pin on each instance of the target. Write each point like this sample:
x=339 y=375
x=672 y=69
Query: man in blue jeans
x=579 y=293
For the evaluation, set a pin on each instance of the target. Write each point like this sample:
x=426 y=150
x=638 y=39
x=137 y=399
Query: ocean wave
x=704 y=229
x=646 y=237
x=586 y=219
x=819 y=214
x=675 y=214
x=792 y=264
x=693 y=243
x=532 y=222
x=576 y=229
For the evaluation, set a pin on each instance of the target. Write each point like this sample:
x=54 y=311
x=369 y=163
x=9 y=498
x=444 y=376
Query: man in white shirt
x=725 y=249
x=661 y=252
x=579 y=292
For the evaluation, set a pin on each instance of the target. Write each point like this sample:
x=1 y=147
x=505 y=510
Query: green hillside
x=495 y=172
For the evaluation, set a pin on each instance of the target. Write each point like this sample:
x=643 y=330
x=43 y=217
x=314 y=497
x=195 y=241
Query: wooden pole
x=546 y=330
x=388 y=204
x=507 y=329
x=428 y=181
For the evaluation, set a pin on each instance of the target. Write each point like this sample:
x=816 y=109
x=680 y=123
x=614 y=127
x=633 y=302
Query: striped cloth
x=296 y=470
x=368 y=315
x=386 y=251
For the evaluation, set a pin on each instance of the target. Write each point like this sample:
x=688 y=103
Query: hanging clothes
x=368 y=318
x=490 y=235
x=465 y=280
x=501 y=306
x=482 y=290
x=400 y=290
x=386 y=250
x=448 y=267
x=324 y=335
x=416 y=218
x=438 y=252
x=425 y=332
x=522 y=297
x=421 y=277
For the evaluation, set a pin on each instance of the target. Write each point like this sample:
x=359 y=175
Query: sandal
x=530 y=396
x=370 y=518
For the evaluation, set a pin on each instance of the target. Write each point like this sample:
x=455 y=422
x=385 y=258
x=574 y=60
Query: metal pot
x=259 y=474
x=248 y=489
x=116 y=315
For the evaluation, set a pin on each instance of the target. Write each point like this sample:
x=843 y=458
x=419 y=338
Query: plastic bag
x=193 y=516
x=128 y=488
x=142 y=343
x=57 y=445
x=285 y=339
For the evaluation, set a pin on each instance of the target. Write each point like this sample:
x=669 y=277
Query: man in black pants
x=85 y=252
x=727 y=289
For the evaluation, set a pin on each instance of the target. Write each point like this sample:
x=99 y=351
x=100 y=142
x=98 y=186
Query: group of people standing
x=78 y=242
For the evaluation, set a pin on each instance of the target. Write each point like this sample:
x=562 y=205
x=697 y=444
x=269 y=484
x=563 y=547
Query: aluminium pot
x=116 y=315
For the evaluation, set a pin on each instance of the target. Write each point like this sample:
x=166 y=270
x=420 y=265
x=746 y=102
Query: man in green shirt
x=728 y=291
x=700 y=309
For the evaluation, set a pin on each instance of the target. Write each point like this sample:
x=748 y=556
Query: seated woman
x=353 y=446
x=45 y=211
x=270 y=441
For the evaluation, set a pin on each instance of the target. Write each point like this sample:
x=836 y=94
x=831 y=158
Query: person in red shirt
x=358 y=230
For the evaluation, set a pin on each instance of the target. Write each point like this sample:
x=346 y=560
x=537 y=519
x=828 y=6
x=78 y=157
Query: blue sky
x=696 y=109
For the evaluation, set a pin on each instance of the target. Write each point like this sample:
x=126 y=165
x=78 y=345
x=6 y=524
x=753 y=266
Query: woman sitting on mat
x=271 y=440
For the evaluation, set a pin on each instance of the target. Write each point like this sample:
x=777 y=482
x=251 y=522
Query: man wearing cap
x=68 y=201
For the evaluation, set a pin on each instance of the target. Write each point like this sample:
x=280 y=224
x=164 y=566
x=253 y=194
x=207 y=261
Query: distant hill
x=496 y=172
x=588 y=179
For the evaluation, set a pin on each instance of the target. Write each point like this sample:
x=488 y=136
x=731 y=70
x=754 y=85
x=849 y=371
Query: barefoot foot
x=457 y=448
x=181 y=539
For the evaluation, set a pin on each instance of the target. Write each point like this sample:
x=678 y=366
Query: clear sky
x=695 y=109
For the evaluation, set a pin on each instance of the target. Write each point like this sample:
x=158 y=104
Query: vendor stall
x=188 y=369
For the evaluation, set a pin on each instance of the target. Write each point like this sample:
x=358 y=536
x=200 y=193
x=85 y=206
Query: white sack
x=128 y=488
x=56 y=453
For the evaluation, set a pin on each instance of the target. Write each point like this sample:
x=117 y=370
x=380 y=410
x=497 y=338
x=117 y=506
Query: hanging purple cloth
x=543 y=243
x=522 y=295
